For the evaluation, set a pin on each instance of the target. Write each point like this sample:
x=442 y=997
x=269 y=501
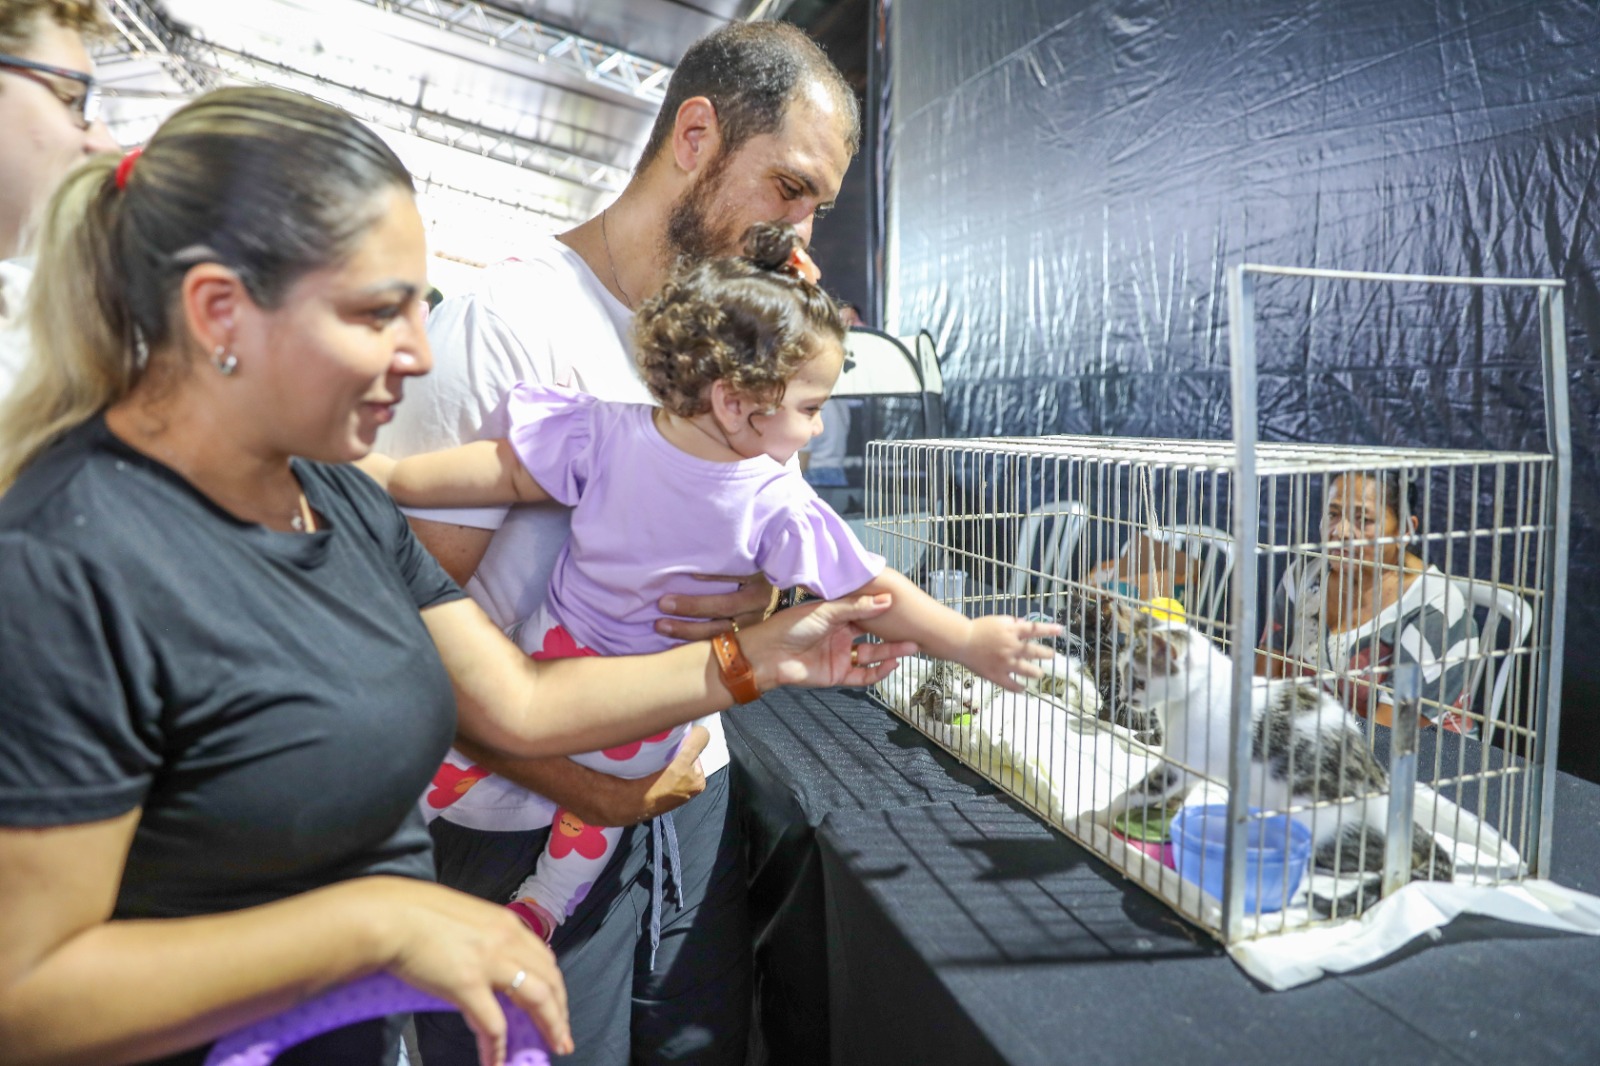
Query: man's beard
x=692 y=236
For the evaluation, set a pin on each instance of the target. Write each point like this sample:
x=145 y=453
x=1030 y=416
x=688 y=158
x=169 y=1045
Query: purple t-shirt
x=647 y=517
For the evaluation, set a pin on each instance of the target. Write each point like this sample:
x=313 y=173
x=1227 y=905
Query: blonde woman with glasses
x=49 y=112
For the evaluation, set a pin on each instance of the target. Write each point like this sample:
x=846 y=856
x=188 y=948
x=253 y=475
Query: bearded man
x=757 y=125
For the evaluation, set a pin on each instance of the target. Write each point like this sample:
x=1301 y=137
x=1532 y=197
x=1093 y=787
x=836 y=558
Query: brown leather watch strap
x=737 y=673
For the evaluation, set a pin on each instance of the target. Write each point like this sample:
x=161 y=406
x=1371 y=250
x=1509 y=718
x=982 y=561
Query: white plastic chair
x=927 y=356
x=1053 y=530
x=1497 y=605
x=1205 y=598
x=905 y=540
x=877 y=364
x=880 y=372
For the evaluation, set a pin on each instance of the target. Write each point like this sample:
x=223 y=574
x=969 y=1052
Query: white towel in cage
x=1051 y=751
x=1063 y=761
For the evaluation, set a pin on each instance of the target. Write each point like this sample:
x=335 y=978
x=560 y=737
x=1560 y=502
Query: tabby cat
x=950 y=690
x=1089 y=634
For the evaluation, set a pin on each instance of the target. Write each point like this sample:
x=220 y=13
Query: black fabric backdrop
x=1069 y=180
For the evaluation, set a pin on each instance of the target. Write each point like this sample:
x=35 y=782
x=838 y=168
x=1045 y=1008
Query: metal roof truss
x=594 y=61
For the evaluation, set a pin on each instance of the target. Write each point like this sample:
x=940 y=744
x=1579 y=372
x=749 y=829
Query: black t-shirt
x=271 y=700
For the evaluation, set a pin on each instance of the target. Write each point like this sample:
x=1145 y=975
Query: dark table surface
x=908 y=912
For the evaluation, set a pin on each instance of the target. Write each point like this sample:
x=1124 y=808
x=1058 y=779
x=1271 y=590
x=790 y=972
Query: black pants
x=693 y=1008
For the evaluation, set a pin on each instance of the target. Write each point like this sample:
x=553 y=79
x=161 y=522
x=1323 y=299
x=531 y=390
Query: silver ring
x=516 y=982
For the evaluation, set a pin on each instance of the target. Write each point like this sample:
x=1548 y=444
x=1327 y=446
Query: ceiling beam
x=560 y=213
x=594 y=61
x=436 y=126
x=196 y=65
x=146 y=31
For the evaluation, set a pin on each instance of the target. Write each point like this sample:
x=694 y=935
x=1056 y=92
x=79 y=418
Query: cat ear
x=1167 y=646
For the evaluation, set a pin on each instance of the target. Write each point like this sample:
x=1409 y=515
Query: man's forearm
x=459 y=549
x=598 y=799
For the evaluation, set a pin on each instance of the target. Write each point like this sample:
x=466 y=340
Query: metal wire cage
x=1396 y=590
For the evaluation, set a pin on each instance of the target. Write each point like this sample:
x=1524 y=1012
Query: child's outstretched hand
x=1002 y=649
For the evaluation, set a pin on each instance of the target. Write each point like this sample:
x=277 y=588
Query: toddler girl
x=741 y=353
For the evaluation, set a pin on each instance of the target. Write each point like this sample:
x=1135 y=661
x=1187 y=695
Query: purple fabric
x=368 y=997
x=647 y=517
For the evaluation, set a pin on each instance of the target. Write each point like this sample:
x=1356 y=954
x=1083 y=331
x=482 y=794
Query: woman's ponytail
x=80 y=341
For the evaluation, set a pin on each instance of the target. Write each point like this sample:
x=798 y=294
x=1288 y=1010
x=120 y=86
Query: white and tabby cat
x=950 y=690
x=1305 y=748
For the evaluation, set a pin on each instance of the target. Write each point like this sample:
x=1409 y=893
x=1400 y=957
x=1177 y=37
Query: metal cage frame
x=1244 y=463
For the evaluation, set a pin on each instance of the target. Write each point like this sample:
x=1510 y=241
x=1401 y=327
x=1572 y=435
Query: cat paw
x=1101 y=818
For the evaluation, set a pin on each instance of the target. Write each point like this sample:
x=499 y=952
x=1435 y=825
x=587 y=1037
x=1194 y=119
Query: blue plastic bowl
x=1277 y=849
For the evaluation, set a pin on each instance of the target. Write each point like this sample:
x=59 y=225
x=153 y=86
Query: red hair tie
x=801 y=264
x=125 y=167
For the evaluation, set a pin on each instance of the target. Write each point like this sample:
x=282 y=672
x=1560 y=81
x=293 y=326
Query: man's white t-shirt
x=543 y=317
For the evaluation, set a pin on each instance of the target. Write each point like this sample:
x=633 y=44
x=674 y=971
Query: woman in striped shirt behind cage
x=1369 y=606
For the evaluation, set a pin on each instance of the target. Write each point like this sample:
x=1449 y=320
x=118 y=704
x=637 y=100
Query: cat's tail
x=1356 y=855
x=1354 y=858
x=1429 y=861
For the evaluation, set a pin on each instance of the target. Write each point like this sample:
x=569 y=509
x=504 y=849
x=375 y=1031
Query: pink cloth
x=646 y=517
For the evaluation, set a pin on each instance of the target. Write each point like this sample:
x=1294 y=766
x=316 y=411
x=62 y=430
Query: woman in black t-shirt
x=226 y=668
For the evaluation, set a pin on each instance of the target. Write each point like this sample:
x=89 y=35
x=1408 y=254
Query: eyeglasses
x=85 y=105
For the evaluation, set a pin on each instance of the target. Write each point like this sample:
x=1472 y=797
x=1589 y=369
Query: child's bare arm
x=995 y=647
x=377 y=467
x=481 y=474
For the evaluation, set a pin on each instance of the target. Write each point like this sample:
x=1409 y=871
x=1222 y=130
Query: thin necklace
x=303 y=521
x=720 y=437
x=627 y=301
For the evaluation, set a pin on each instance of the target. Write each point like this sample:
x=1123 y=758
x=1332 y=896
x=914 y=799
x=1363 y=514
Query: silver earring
x=225 y=361
x=138 y=352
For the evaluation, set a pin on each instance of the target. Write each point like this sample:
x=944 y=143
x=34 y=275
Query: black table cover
x=907 y=912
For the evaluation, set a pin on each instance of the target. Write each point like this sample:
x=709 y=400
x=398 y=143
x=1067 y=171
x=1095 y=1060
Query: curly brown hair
x=746 y=320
